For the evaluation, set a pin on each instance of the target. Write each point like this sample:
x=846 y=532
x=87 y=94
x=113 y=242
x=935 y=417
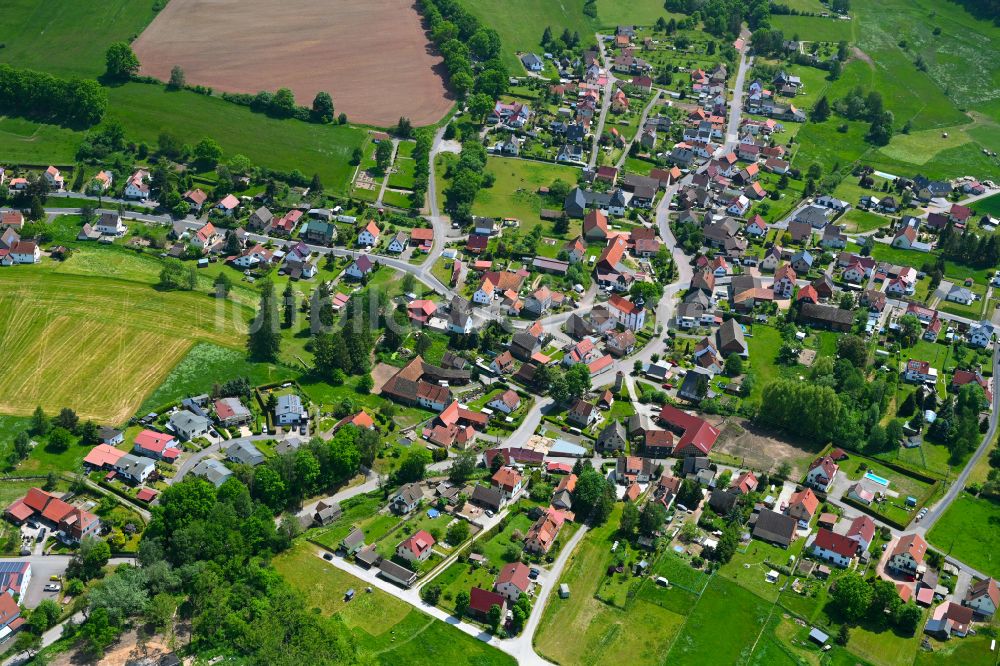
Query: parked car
x=53 y=587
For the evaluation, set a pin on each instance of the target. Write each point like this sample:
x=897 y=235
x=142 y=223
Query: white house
x=626 y=313
x=398 y=243
x=417 y=548
x=110 y=224
x=513 y=581
x=855 y=273
x=25 y=252
x=862 y=532
x=908 y=554
x=920 y=372
x=960 y=295
x=983 y=597
x=360 y=267
x=835 y=548
x=784 y=281
x=771 y=259
x=137 y=186
x=189 y=425
x=53 y=178
x=484 y=295
x=822 y=473
x=135 y=468
x=981 y=334
x=506 y=402
x=252 y=257
x=206 y=237
x=756 y=226
x=369 y=235
x=289 y=410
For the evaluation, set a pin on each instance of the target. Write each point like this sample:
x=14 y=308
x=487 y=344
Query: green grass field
x=514 y=193
x=68 y=38
x=146 y=110
x=520 y=24
x=99 y=344
x=723 y=626
x=815 y=28
x=600 y=631
x=387 y=630
x=988 y=206
x=207 y=364
x=968 y=531
x=611 y=13
x=857 y=220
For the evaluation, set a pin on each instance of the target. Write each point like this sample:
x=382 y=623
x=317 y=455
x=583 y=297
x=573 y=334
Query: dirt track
x=372 y=56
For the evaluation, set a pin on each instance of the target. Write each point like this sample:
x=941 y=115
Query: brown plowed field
x=372 y=56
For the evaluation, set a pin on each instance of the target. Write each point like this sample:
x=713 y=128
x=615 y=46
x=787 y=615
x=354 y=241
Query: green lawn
x=970 y=651
x=859 y=221
x=968 y=531
x=611 y=13
x=722 y=627
x=461 y=577
x=520 y=24
x=146 y=110
x=387 y=630
x=988 y=206
x=68 y=38
x=601 y=632
x=207 y=364
x=514 y=193
x=814 y=28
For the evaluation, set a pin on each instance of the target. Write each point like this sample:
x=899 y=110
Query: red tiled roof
x=418 y=543
x=698 y=433
x=482 y=601
x=150 y=440
x=835 y=543
x=515 y=573
x=507 y=477
x=103 y=455
x=913 y=544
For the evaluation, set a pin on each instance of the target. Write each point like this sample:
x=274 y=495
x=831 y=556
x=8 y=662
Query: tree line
x=461 y=38
x=724 y=18
x=47 y=98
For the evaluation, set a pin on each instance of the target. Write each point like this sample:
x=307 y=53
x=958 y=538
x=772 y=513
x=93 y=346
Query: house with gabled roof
x=862 y=532
x=821 y=473
x=834 y=548
x=802 y=505
x=907 y=556
x=369 y=235
x=697 y=436
x=416 y=548
x=983 y=597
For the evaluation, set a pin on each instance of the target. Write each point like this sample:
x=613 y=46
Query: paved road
x=48 y=638
x=736 y=105
x=934 y=513
x=605 y=103
x=638 y=132
x=198 y=456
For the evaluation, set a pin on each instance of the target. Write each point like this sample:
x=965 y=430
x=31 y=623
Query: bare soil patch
x=761 y=449
x=380 y=375
x=372 y=56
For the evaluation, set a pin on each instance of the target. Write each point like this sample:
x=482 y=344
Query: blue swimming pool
x=877 y=479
